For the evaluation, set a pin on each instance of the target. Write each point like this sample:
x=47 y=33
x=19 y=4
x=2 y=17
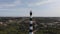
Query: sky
x=40 y=8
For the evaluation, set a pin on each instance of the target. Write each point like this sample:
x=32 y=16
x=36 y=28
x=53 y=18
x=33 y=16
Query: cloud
x=50 y=8
x=10 y=5
x=41 y=3
x=17 y=2
x=6 y=6
x=14 y=12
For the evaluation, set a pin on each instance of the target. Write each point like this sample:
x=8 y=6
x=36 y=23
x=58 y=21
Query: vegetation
x=23 y=27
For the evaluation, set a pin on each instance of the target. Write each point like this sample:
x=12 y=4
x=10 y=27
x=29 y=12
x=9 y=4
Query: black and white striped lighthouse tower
x=31 y=24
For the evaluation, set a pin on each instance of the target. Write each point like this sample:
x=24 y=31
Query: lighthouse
x=31 y=24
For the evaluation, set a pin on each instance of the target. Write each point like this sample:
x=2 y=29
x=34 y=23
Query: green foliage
x=22 y=27
x=12 y=28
